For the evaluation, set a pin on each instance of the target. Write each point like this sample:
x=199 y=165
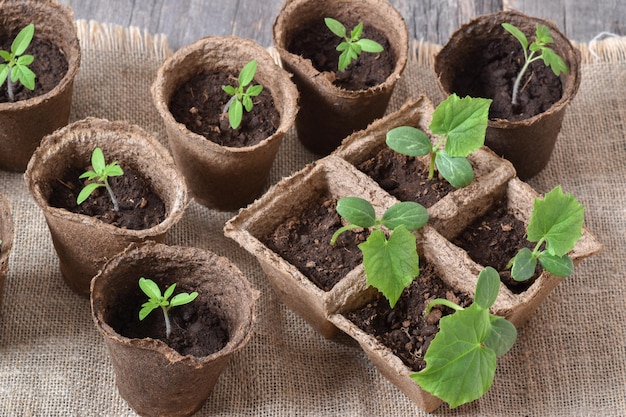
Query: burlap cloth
x=570 y=358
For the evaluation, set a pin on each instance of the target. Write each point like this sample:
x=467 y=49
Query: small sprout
x=241 y=98
x=557 y=221
x=100 y=173
x=549 y=57
x=462 y=123
x=351 y=47
x=461 y=359
x=155 y=300
x=390 y=264
x=15 y=66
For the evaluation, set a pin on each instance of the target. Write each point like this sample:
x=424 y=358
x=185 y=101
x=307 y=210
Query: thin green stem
x=431 y=169
x=442 y=301
x=10 y=87
x=339 y=231
x=116 y=206
x=529 y=60
x=168 y=326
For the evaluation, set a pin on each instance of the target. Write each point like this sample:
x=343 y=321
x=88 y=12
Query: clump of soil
x=304 y=241
x=139 y=205
x=200 y=102
x=317 y=43
x=404 y=329
x=405 y=177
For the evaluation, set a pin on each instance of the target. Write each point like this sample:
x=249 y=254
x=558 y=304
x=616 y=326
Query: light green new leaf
x=254 y=90
x=457 y=171
x=86 y=192
x=357 y=210
x=183 y=298
x=150 y=288
x=464 y=122
x=390 y=265
x=356 y=33
x=542 y=35
x=518 y=34
x=229 y=89
x=24 y=75
x=369 y=45
x=555 y=62
x=97 y=160
x=169 y=291
x=408 y=140
x=408 y=213
x=235 y=113
x=560 y=266
x=247 y=73
x=523 y=265
x=558 y=218
x=335 y=26
x=22 y=40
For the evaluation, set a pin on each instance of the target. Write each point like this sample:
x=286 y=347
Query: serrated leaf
x=408 y=213
x=357 y=211
x=335 y=26
x=355 y=34
x=457 y=171
x=464 y=122
x=86 y=192
x=558 y=218
x=369 y=45
x=542 y=35
x=502 y=336
x=560 y=266
x=150 y=288
x=22 y=40
x=409 y=141
x=551 y=59
x=390 y=265
x=247 y=73
x=524 y=264
x=518 y=34
x=487 y=288
x=183 y=298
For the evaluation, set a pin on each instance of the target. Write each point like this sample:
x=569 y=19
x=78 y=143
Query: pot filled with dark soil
x=6 y=239
x=31 y=114
x=151 y=194
x=482 y=59
x=336 y=103
x=225 y=167
x=171 y=375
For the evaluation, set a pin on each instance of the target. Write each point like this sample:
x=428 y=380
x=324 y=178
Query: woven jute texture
x=570 y=358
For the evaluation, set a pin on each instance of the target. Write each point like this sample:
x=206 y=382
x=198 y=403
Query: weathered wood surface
x=184 y=21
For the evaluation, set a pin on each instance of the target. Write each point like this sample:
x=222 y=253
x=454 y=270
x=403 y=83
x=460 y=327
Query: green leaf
x=335 y=26
x=113 y=170
x=357 y=210
x=254 y=90
x=147 y=309
x=344 y=60
x=408 y=213
x=457 y=171
x=459 y=367
x=551 y=59
x=487 y=288
x=235 y=114
x=97 y=161
x=464 y=122
x=5 y=55
x=560 y=266
x=169 y=291
x=542 y=35
x=369 y=45
x=25 y=76
x=356 y=33
x=4 y=73
x=247 y=103
x=86 y=192
x=518 y=34
x=502 y=336
x=150 y=288
x=390 y=265
x=524 y=264
x=229 y=89
x=183 y=298
x=557 y=218
x=408 y=140
x=22 y=40
x=247 y=73
x=25 y=60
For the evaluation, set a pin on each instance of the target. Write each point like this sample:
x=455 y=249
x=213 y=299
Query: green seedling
x=461 y=359
x=100 y=175
x=538 y=49
x=390 y=264
x=557 y=221
x=352 y=46
x=241 y=95
x=15 y=66
x=461 y=124
x=155 y=300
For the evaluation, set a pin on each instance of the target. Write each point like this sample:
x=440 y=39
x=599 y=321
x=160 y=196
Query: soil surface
x=317 y=43
x=199 y=104
x=304 y=241
x=197 y=328
x=495 y=238
x=405 y=177
x=404 y=329
x=140 y=207
x=49 y=66
x=493 y=74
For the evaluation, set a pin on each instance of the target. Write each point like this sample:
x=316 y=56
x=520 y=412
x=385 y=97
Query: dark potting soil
x=197 y=328
x=495 y=238
x=49 y=66
x=140 y=207
x=317 y=43
x=405 y=177
x=304 y=241
x=199 y=105
x=493 y=75
x=404 y=329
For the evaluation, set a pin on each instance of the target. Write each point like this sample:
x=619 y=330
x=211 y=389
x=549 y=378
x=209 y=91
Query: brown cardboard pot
x=527 y=143
x=153 y=378
x=222 y=177
x=6 y=240
x=328 y=113
x=24 y=123
x=84 y=243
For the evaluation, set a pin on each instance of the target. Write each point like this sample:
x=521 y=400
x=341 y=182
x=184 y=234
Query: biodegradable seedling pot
x=83 y=243
x=527 y=143
x=329 y=113
x=25 y=122
x=152 y=377
x=6 y=239
x=223 y=177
